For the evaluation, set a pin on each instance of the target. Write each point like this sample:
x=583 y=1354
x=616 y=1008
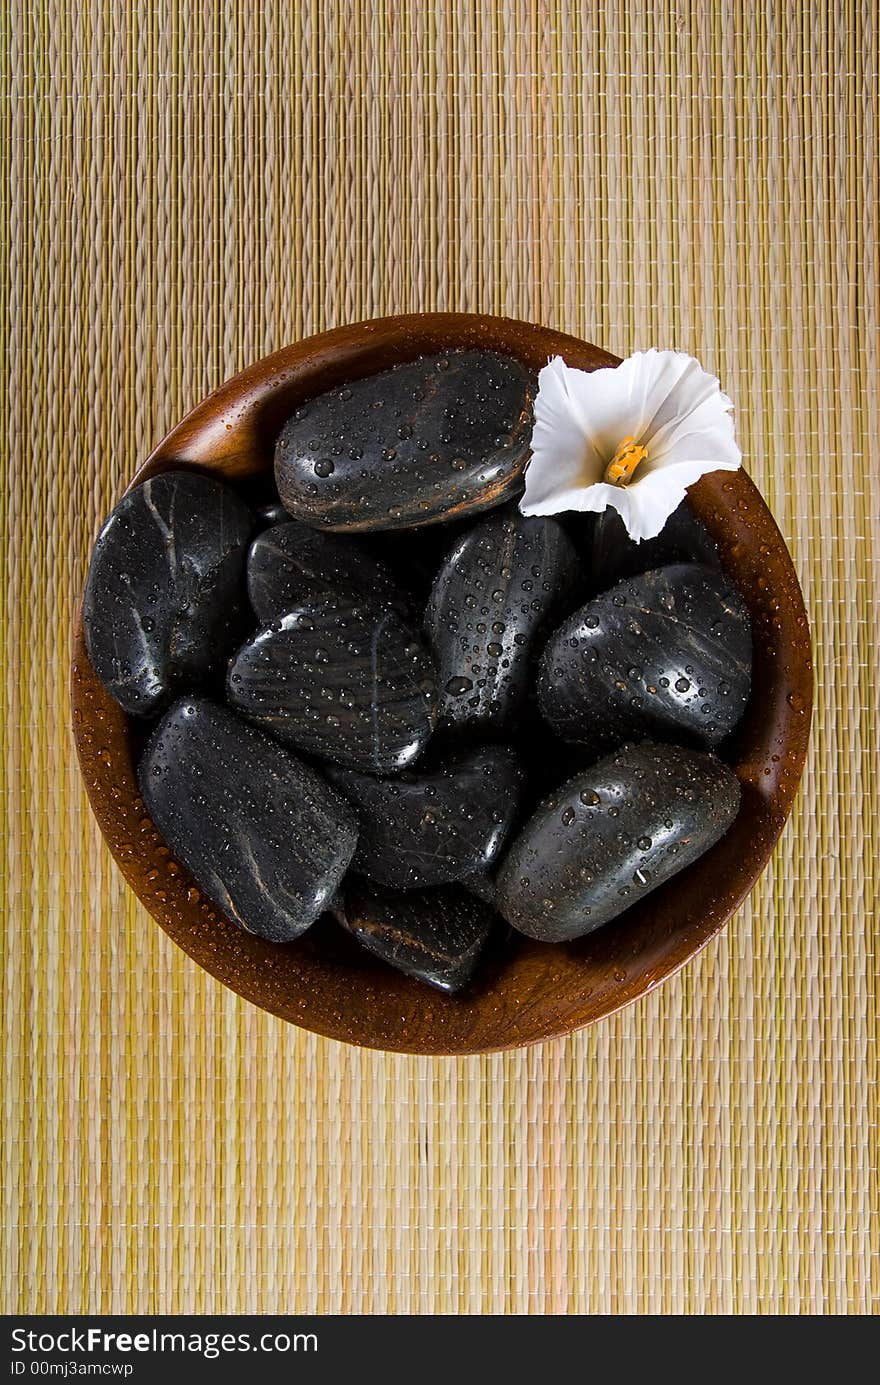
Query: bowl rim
x=537 y=997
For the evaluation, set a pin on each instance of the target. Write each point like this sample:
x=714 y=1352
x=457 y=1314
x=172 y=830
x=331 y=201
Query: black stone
x=265 y=837
x=491 y=602
x=610 y=835
x=665 y=655
x=165 y=602
x=341 y=677
x=433 y=828
x=425 y=441
x=433 y=935
x=290 y=564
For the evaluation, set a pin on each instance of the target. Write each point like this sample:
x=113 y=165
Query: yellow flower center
x=621 y=469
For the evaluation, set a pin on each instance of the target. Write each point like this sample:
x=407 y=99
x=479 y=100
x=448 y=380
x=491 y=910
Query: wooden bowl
x=324 y=982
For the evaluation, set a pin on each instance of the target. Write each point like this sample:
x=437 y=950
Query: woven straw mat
x=191 y=186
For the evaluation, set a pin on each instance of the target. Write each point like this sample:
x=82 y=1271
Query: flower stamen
x=621 y=469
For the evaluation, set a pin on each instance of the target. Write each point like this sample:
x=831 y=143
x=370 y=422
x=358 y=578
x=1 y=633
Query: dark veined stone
x=290 y=564
x=429 y=440
x=165 y=602
x=491 y=602
x=264 y=836
x=434 y=935
x=610 y=835
x=422 y=829
x=342 y=677
x=665 y=655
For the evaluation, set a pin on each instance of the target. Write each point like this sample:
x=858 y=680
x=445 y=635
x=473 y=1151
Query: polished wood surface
x=526 y=991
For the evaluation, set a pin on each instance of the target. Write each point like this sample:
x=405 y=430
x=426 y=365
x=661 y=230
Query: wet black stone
x=165 y=602
x=490 y=605
x=343 y=678
x=290 y=564
x=433 y=935
x=666 y=655
x=264 y=836
x=432 y=828
x=612 y=834
x=425 y=441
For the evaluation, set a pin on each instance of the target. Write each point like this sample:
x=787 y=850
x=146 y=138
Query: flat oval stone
x=433 y=935
x=612 y=834
x=343 y=678
x=432 y=828
x=429 y=440
x=491 y=602
x=264 y=836
x=290 y=564
x=667 y=655
x=165 y=602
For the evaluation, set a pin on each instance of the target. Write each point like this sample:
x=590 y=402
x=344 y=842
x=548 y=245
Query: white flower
x=633 y=436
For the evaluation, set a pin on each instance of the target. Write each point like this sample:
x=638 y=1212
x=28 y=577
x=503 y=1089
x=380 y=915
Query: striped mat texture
x=193 y=185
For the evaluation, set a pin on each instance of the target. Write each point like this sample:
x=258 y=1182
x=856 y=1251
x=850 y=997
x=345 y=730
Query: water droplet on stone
x=457 y=686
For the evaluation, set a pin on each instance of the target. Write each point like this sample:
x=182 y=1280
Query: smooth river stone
x=433 y=439
x=165 y=601
x=265 y=837
x=342 y=678
x=434 y=935
x=490 y=605
x=290 y=564
x=612 y=834
x=666 y=655
x=430 y=829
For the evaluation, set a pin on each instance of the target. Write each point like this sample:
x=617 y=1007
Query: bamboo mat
x=194 y=185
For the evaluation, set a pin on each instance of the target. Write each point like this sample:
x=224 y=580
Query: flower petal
x=600 y=401
x=644 y=510
x=679 y=398
x=663 y=399
x=580 y=498
x=653 y=500
x=561 y=453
